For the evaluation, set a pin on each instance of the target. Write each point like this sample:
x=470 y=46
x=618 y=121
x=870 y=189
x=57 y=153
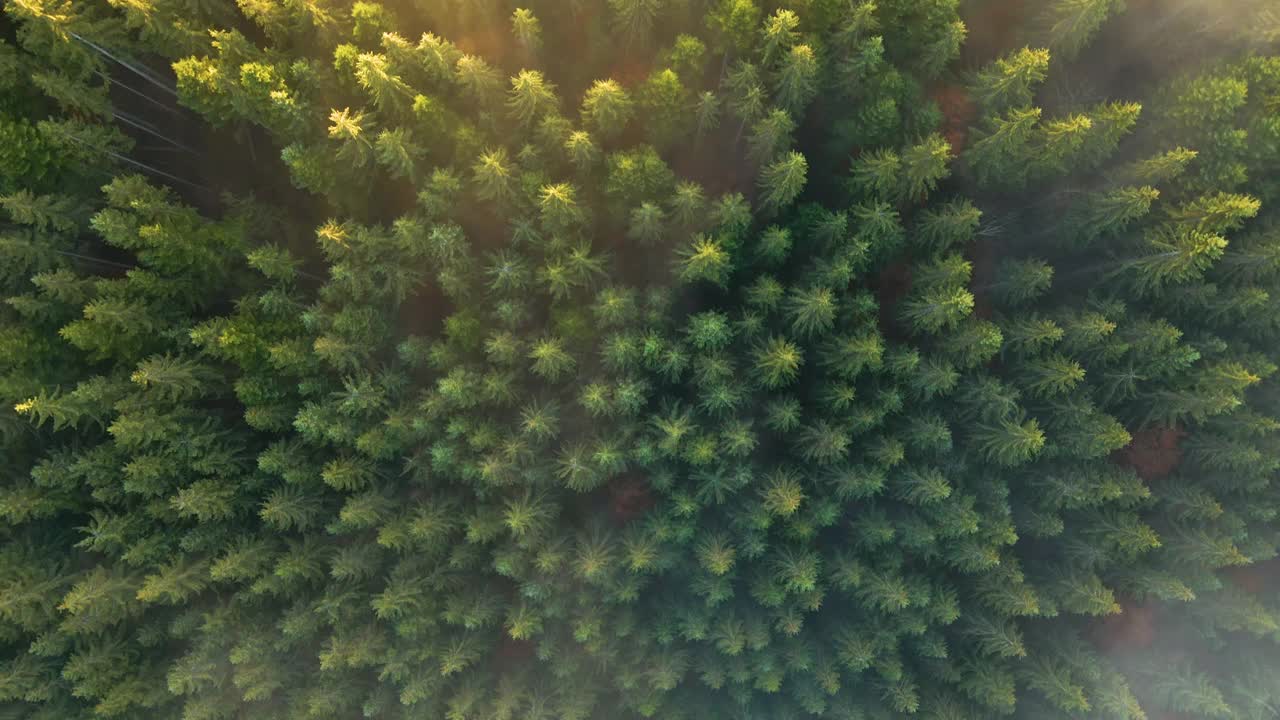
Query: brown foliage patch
x=1153 y=453
x=511 y=654
x=631 y=72
x=995 y=27
x=1254 y=578
x=488 y=41
x=958 y=111
x=892 y=285
x=629 y=498
x=1133 y=628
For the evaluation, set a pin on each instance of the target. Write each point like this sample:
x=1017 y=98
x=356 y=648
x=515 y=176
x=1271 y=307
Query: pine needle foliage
x=635 y=358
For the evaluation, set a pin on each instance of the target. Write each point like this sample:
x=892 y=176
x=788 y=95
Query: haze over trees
x=583 y=359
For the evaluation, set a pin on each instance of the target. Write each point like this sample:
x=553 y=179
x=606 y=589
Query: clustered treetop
x=648 y=358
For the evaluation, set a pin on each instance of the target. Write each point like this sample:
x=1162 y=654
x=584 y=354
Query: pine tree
x=783 y=180
x=606 y=108
x=532 y=391
x=1003 y=155
x=527 y=30
x=733 y=24
x=923 y=166
x=771 y=136
x=1009 y=82
x=1010 y=441
x=530 y=96
x=797 y=79
x=1068 y=25
x=777 y=362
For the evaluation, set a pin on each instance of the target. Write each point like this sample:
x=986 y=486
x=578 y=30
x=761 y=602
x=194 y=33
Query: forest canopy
x=620 y=359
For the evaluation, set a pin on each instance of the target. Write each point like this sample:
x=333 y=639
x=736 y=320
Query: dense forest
x=620 y=359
